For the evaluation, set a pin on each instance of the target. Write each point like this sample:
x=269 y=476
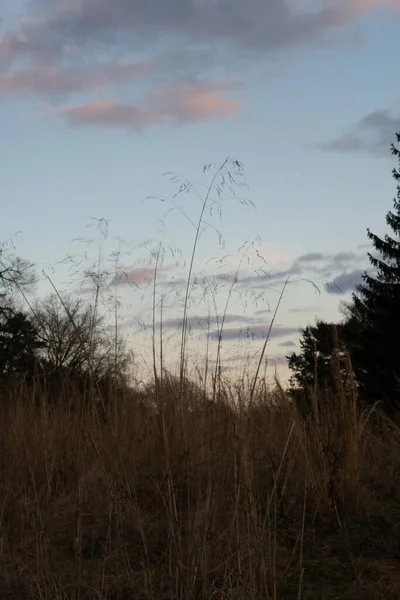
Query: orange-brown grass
x=171 y=496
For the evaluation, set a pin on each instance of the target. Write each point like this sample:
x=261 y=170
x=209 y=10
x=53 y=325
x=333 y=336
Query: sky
x=109 y=107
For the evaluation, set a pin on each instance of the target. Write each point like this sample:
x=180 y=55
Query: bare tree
x=77 y=339
x=15 y=273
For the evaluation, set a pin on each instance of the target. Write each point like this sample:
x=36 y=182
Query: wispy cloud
x=53 y=79
x=207 y=321
x=326 y=271
x=254 y=332
x=303 y=309
x=311 y=257
x=136 y=276
x=288 y=344
x=345 y=282
x=172 y=106
x=373 y=134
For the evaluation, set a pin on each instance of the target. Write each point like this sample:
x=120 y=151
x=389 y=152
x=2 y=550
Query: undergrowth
x=244 y=500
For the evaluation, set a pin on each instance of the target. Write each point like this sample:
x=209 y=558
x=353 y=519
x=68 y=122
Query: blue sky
x=98 y=99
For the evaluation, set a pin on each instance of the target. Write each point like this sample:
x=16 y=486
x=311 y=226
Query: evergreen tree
x=314 y=365
x=377 y=301
x=19 y=344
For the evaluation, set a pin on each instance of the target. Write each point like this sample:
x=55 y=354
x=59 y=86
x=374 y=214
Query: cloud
x=373 y=134
x=60 y=47
x=250 y=327
x=303 y=309
x=313 y=267
x=318 y=257
x=311 y=257
x=259 y=24
x=27 y=41
x=136 y=276
x=345 y=282
x=343 y=257
x=55 y=79
x=368 y=4
x=206 y=321
x=254 y=332
x=288 y=344
x=172 y=106
x=263 y=311
x=61 y=29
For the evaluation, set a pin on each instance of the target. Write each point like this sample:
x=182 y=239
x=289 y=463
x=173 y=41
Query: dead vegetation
x=192 y=499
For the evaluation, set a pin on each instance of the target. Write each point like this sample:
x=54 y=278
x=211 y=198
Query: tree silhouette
x=18 y=341
x=19 y=344
x=377 y=301
x=313 y=367
x=77 y=341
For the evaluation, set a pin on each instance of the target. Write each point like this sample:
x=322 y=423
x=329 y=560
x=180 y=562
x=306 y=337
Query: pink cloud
x=57 y=79
x=174 y=105
x=51 y=79
x=136 y=276
x=107 y=113
x=196 y=100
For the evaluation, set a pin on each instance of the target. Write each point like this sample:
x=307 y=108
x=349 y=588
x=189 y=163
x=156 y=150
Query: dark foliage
x=377 y=301
x=313 y=368
x=19 y=344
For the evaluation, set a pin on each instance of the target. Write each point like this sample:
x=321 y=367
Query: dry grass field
x=169 y=495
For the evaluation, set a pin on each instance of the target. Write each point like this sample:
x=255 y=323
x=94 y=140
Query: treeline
x=364 y=345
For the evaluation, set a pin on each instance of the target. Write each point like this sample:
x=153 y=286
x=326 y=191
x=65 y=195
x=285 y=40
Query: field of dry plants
x=165 y=495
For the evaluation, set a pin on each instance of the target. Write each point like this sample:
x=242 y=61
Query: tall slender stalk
x=187 y=291
x=253 y=387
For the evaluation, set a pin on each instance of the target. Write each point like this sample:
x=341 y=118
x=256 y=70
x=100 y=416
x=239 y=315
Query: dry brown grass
x=195 y=500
